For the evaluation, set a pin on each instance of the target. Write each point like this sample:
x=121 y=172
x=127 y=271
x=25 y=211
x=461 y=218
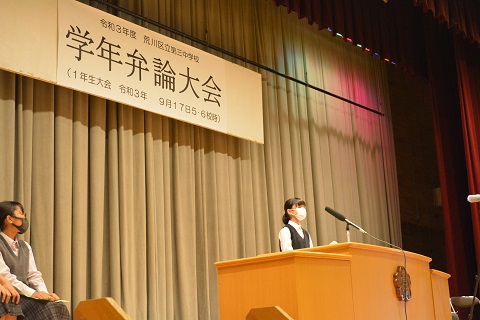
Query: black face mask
x=23 y=227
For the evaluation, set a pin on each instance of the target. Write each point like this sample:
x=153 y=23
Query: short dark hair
x=288 y=205
x=7 y=208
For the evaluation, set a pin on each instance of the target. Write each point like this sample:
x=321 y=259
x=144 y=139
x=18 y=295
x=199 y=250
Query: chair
x=462 y=302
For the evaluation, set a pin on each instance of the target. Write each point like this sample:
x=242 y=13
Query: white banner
x=112 y=58
x=28 y=34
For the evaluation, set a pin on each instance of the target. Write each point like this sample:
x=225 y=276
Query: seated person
x=17 y=265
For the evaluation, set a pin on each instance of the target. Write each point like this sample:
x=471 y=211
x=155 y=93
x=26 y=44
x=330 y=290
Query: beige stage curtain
x=136 y=206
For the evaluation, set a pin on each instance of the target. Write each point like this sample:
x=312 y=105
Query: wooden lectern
x=339 y=281
x=99 y=309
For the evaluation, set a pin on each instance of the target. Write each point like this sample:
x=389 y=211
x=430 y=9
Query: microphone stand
x=472 y=199
x=477 y=278
x=348 y=231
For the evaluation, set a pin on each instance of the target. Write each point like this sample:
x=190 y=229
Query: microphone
x=341 y=217
x=473 y=198
x=336 y=214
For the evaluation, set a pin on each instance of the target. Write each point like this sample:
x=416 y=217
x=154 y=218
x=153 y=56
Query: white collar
x=9 y=240
x=295 y=225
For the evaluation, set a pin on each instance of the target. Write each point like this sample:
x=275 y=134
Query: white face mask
x=301 y=213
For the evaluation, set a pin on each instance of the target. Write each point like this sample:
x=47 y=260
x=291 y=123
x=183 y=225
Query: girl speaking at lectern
x=292 y=236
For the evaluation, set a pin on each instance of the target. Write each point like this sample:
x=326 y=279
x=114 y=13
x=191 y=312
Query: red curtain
x=447 y=119
x=382 y=24
x=468 y=70
x=461 y=15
